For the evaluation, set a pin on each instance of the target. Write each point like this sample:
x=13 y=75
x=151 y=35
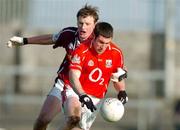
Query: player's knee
x=73 y=121
x=39 y=125
x=42 y=121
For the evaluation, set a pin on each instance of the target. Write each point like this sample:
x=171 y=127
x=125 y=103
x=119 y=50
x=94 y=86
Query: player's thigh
x=72 y=106
x=53 y=102
x=51 y=107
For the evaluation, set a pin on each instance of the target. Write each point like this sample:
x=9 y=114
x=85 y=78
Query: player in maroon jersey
x=68 y=38
x=92 y=66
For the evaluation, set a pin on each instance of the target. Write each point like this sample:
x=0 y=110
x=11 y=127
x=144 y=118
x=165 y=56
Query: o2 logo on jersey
x=98 y=78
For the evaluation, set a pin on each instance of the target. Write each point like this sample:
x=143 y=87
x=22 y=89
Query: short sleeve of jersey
x=117 y=58
x=64 y=37
x=77 y=59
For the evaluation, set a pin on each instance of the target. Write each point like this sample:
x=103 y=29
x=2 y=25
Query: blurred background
x=146 y=30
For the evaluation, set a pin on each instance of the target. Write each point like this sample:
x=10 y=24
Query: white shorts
x=87 y=117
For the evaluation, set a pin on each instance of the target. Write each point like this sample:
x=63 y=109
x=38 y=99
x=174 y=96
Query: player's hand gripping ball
x=112 y=109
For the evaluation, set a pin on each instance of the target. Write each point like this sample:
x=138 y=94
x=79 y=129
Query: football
x=112 y=109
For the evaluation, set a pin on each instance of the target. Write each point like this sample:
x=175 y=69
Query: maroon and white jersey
x=68 y=39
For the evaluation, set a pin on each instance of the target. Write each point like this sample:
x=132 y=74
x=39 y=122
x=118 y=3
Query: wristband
x=25 y=41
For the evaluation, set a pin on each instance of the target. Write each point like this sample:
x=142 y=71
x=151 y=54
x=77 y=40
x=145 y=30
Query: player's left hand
x=16 y=41
x=119 y=75
x=85 y=99
x=122 y=96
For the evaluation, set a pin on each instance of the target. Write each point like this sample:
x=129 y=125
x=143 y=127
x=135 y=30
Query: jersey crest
x=108 y=63
x=91 y=63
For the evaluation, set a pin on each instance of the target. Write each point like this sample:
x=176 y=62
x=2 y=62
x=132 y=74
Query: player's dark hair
x=88 y=10
x=103 y=28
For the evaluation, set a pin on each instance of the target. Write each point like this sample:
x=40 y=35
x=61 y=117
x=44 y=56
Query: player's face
x=85 y=27
x=101 y=43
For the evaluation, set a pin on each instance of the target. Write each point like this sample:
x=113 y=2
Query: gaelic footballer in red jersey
x=96 y=63
x=93 y=64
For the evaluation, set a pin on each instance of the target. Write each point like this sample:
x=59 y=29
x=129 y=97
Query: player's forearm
x=41 y=40
x=120 y=86
x=74 y=79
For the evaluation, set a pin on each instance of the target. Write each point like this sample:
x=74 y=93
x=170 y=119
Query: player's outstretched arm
x=76 y=85
x=36 y=40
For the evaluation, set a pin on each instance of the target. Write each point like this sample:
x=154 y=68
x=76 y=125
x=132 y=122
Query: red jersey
x=68 y=39
x=96 y=69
